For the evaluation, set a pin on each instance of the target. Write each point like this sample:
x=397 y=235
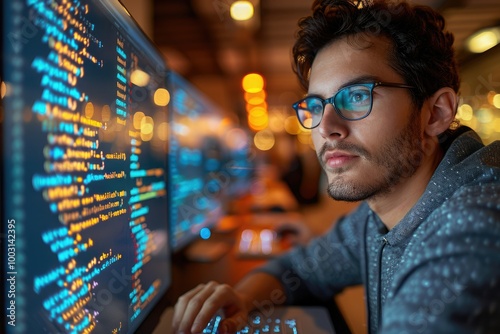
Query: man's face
x=367 y=157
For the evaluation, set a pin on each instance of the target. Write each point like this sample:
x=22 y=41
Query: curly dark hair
x=422 y=50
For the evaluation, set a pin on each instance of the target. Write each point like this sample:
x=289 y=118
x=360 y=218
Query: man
x=382 y=91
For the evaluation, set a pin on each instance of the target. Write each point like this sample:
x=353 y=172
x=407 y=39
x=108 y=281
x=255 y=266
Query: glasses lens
x=354 y=102
x=310 y=111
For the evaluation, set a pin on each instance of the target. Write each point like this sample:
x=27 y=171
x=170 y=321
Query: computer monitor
x=196 y=159
x=240 y=163
x=84 y=170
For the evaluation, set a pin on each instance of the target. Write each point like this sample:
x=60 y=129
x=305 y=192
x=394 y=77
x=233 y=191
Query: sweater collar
x=452 y=172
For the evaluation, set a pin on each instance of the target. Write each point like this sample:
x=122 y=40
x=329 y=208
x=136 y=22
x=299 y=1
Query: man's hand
x=196 y=307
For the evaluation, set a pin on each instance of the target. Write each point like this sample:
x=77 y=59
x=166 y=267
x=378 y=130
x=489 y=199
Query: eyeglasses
x=353 y=102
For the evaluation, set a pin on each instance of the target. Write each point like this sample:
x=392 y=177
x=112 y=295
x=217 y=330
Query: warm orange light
x=496 y=101
x=264 y=140
x=249 y=106
x=89 y=110
x=3 y=90
x=106 y=113
x=257 y=111
x=276 y=122
x=147 y=129
x=255 y=98
x=139 y=78
x=163 y=131
x=253 y=83
x=292 y=125
x=137 y=119
x=161 y=97
x=258 y=120
x=465 y=112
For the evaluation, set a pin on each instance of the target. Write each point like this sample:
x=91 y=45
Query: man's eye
x=316 y=109
x=314 y=106
x=359 y=96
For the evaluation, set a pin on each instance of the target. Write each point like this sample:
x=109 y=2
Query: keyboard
x=258 y=324
x=286 y=320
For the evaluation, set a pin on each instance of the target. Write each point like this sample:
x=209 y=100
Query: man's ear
x=442 y=106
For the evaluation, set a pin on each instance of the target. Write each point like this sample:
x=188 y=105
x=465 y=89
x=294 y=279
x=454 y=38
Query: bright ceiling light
x=483 y=40
x=241 y=10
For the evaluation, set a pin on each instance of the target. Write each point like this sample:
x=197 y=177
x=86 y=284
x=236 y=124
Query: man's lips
x=336 y=159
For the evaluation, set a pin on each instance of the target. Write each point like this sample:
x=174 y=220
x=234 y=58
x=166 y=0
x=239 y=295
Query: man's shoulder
x=490 y=154
x=465 y=142
x=473 y=208
x=465 y=226
x=481 y=195
x=469 y=173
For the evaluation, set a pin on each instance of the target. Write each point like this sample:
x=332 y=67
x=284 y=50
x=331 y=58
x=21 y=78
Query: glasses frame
x=331 y=99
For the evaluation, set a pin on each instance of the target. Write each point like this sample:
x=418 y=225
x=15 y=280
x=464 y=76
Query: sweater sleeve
x=326 y=265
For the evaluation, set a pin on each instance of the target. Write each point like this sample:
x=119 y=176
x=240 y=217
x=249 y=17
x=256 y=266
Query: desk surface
x=229 y=268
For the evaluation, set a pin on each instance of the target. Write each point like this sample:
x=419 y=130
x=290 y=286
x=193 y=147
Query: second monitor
x=201 y=163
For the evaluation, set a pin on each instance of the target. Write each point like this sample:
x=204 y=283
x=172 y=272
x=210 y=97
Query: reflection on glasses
x=353 y=102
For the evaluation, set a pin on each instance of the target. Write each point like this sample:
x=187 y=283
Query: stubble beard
x=397 y=159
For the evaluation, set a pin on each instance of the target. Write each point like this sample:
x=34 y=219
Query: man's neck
x=394 y=205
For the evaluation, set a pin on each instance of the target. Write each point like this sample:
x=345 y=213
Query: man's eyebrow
x=356 y=80
x=361 y=79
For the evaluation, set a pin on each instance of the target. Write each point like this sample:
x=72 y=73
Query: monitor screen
x=196 y=159
x=240 y=164
x=84 y=168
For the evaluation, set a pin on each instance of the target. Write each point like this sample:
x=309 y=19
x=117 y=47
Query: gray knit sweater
x=437 y=271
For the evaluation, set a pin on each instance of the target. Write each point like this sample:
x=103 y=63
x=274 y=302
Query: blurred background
x=216 y=44
x=208 y=44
